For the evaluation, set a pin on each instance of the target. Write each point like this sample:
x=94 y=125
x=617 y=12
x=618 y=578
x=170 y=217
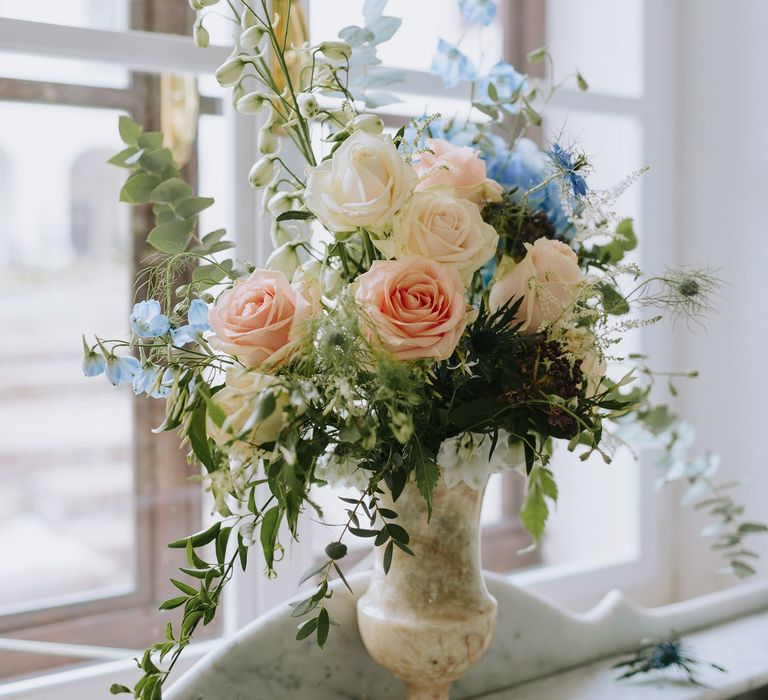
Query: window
x=89 y=510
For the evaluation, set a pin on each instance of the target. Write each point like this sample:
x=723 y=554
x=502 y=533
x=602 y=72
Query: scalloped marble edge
x=534 y=637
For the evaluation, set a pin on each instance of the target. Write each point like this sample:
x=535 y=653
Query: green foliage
x=539 y=487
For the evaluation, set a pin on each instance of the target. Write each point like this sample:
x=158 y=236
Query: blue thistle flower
x=148 y=321
x=451 y=65
x=478 y=11
x=564 y=162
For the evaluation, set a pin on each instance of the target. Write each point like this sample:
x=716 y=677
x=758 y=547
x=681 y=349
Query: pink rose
x=457 y=166
x=414 y=307
x=548 y=277
x=259 y=318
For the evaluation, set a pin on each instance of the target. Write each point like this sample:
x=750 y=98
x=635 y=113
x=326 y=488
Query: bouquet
x=442 y=302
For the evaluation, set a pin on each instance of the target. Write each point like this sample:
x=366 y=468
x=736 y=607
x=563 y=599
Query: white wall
x=723 y=216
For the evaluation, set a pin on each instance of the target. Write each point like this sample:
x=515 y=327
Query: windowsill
x=739 y=646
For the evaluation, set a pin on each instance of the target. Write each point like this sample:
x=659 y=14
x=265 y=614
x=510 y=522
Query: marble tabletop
x=535 y=641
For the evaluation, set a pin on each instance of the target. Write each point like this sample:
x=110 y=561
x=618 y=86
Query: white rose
x=363 y=185
x=241 y=400
x=437 y=225
x=467 y=457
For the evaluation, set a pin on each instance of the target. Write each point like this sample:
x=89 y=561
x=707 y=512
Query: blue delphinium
x=478 y=11
x=451 y=65
x=524 y=168
x=197 y=318
x=148 y=320
x=121 y=369
x=563 y=160
x=93 y=362
x=504 y=78
x=149 y=380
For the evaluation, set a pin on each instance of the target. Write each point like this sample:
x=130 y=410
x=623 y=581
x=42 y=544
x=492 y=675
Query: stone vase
x=431 y=618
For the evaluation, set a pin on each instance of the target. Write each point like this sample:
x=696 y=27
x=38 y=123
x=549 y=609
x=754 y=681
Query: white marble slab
x=534 y=638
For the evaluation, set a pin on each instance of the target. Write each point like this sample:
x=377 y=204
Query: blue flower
x=451 y=65
x=149 y=381
x=197 y=318
x=148 y=321
x=524 y=168
x=478 y=11
x=93 y=362
x=505 y=79
x=121 y=369
x=564 y=162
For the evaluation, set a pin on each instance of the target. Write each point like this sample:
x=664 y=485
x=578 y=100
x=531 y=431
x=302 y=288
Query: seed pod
x=200 y=34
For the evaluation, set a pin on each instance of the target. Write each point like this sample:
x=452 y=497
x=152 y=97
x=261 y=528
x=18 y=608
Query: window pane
x=96 y=14
x=424 y=22
x=61 y=70
x=66 y=519
x=602 y=38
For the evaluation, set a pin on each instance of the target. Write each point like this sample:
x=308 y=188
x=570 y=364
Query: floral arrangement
x=443 y=302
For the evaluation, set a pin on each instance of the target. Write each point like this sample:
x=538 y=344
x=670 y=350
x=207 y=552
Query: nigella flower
x=121 y=369
x=148 y=321
x=478 y=11
x=505 y=79
x=564 y=162
x=93 y=362
x=197 y=318
x=451 y=65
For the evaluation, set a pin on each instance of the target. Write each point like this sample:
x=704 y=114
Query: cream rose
x=363 y=185
x=259 y=318
x=549 y=279
x=459 y=167
x=413 y=308
x=239 y=401
x=441 y=227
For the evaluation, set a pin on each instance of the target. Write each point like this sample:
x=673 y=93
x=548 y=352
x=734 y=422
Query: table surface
x=740 y=646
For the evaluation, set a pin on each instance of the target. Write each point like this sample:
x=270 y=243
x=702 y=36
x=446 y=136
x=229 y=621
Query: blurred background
x=89 y=496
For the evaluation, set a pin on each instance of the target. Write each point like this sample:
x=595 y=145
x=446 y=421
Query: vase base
x=439 y=691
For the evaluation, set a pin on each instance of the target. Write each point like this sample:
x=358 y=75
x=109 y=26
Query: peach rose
x=549 y=279
x=414 y=307
x=458 y=166
x=437 y=225
x=259 y=318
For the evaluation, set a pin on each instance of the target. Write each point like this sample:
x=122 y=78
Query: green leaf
x=151 y=140
x=307 y=629
x=303 y=607
x=492 y=92
x=398 y=533
x=198 y=438
x=116 y=689
x=199 y=539
x=268 y=534
x=174 y=603
x=184 y=587
x=171 y=237
x=742 y=569
x=313 y=571
x=138 y=188
x=424 y=465
x=613 y=302
x=358 y=532
x=129 y=130
x=627 y=237
x=209 y=274
x=746 y=528
x=265 y=406
x=336 y=550
x=535 y=511
x=158 y=160
x=323 y=625
x=120 y=159
x=295 y=216
x=583 y=84
x=387 y=559
x=192 y=206
x=171 y=191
